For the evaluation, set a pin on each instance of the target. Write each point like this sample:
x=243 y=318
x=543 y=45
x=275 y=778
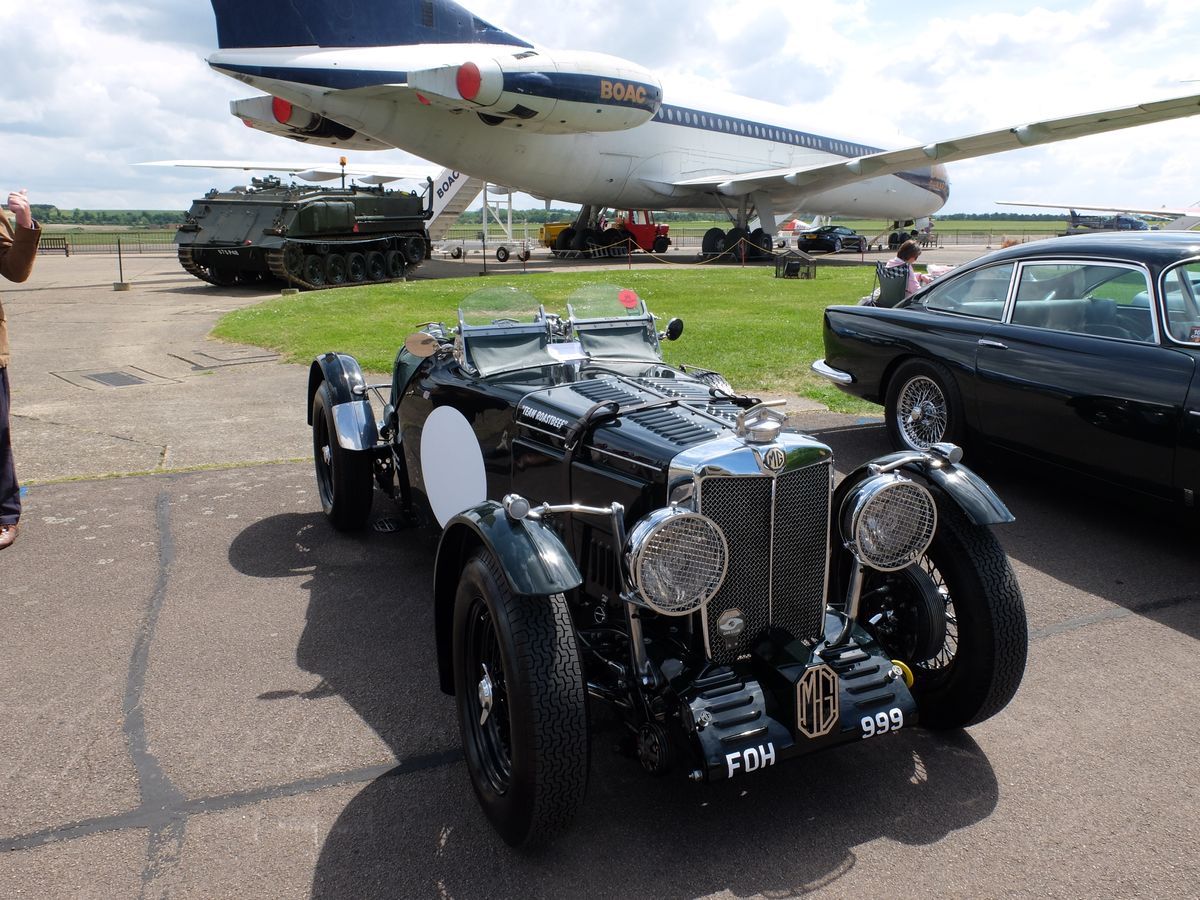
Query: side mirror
x=674 y=330
x=421 y=344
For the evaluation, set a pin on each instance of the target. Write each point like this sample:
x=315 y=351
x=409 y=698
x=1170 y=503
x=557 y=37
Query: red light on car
x=282 y=110
x=468 y=81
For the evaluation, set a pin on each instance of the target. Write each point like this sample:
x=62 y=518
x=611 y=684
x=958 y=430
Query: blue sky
x=98 y=85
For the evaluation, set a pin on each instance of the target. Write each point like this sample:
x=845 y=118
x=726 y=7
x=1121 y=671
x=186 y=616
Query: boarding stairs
x=453 y=192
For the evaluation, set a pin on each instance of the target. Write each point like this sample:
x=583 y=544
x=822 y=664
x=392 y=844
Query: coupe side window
x=980 y=293
x=1181 y=303
x=1084 y=298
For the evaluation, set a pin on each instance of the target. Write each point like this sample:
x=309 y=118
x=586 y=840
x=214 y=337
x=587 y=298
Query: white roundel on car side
x=452 y=464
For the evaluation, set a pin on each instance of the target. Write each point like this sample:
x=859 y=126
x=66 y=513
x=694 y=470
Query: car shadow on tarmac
x=416 y=830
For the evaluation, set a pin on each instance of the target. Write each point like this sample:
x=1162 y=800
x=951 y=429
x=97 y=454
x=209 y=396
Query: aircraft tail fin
x=351 y=23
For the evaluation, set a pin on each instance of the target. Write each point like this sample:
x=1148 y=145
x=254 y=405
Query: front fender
x=972 y=494
x=354 y=420
x=529 y=552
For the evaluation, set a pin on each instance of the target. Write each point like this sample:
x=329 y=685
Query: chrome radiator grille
x=777 y=530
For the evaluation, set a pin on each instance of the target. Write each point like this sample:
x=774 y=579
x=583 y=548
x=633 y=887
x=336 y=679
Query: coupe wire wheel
x=922 y=412
x=677 y=560
x=889 y=521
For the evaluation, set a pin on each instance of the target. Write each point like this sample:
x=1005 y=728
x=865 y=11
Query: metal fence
x=106 y=242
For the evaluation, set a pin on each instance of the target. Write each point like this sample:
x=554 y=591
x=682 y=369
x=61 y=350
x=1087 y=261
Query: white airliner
x=431 y=78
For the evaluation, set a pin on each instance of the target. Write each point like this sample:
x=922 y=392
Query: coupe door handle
x=985 y=342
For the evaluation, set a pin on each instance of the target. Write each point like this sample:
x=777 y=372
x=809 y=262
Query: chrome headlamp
x=676 y=560
x=888 y=521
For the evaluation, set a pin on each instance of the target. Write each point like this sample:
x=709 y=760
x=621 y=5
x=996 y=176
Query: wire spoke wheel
x=922 y=412
x=957 y=618
x=923 y=406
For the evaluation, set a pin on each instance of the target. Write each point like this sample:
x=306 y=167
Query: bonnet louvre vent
x=605 y=391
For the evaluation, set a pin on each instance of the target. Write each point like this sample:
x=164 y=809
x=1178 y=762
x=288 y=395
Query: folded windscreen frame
x=351 y=23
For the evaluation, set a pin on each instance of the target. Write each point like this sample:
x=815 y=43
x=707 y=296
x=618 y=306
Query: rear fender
x=353 y=417
x=530 y=553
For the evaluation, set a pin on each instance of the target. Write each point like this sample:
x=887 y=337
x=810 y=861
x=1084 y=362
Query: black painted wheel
x=713 y=241
x=335 y=268
x=661 y=243
x=376 y=266
x=565 y=239
x=414 y=250
x=356 y=267
x=344 y=479
x=923 y=406
x=456 y=253
x=314 y=270
x=521 y=700
x=524 y=255
x=978 y=666
x=502 y=253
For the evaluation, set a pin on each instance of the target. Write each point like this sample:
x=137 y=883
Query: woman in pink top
x=906 y=256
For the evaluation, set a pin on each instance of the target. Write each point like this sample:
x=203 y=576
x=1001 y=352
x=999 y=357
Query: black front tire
x=344 y=477
x=986 y=642
x=516 y=659
x=923 y=406
x=501 y=254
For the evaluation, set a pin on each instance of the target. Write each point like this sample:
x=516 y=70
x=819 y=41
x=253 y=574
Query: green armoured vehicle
x=303 y=235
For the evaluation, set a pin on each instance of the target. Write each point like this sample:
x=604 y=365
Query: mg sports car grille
x=777 y=530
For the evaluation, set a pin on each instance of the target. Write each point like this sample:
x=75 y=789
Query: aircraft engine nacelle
x=563 y=92
x=279 y=117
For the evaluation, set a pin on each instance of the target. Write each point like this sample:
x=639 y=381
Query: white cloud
x=102 y=84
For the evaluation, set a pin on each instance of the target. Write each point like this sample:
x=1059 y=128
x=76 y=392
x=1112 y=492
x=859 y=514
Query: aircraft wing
x=1162 y=212
x=372 y=174
x=815 y=179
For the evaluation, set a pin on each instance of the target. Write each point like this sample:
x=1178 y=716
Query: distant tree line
x=126 y=218
x=158 y=218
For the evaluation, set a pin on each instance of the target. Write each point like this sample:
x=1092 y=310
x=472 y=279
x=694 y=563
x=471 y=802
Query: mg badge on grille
x=817 y=701
x=775 y=459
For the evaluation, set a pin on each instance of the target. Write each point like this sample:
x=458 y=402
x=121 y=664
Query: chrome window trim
x=1019 y=269
x=1160 y=303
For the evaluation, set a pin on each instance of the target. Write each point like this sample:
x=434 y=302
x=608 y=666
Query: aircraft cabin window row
x=691 y=118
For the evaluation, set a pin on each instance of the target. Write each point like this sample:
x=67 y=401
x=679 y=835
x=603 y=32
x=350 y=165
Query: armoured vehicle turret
x=303 y=235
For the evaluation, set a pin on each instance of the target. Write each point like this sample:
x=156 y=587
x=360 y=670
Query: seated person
x=906 y=256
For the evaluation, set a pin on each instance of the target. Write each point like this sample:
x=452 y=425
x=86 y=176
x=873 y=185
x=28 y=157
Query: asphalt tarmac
x=209 y=693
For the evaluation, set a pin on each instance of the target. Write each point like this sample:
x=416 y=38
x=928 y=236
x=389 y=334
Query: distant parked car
x=1079 y=351
x=832 y=238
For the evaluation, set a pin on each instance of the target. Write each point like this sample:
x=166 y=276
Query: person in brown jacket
x=18 y=248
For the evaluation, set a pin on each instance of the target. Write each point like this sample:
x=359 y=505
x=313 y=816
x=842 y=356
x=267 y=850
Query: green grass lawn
x=761 y=332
